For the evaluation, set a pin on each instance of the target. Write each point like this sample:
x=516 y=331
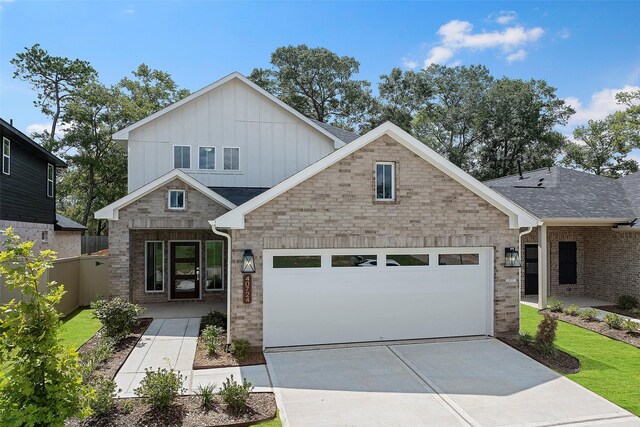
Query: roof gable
x=12 y=132
x=123 y=134
x=518 y=217
x=110 y=212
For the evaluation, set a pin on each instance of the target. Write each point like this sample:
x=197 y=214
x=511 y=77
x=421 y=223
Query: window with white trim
x=51 y=177
x=177 y=199
x=44 y=236
x=215 y=265
x=385 y=181
x=6 y=156
x=231 y=157
x=182 y=157
x=207 y=158
x=154 y=266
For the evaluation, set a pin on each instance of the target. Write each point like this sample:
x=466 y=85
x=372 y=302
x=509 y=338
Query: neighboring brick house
x=351 y=238
x=589 y=241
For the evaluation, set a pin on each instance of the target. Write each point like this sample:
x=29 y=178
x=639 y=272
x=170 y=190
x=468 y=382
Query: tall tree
x=56 y=80
x=601 y=148
x=319 y=84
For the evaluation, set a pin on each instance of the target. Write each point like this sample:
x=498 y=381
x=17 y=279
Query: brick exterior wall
x=336 y=209
x=149 y=219
x=65 y=243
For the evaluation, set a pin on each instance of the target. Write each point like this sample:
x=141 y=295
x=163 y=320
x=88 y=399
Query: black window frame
x=51 y=180
x=6 y=154
x=567 y=263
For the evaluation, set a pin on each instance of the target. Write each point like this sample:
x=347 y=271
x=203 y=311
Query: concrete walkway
x=478 y=382
x=171 y=343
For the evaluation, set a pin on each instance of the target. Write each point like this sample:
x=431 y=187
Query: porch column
x=543 y=271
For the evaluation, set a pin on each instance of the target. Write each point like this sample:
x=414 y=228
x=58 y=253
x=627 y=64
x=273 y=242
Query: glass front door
x=185 y=270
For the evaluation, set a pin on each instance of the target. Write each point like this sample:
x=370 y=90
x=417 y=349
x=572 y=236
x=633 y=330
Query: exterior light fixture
x=511 y=257
x=248 y=264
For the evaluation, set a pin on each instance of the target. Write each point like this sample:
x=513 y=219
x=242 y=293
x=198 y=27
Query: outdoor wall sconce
x=511 y=257
x=248 y=264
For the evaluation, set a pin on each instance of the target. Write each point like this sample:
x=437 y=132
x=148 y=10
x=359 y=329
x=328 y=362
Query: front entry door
x=185 y=270
x=531 y=269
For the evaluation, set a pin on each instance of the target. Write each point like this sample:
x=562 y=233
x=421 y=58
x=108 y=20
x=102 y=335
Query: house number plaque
x=246 y=288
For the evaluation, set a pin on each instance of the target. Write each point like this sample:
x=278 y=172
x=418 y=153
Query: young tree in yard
x=319 y=84
x=40 y=379
x=56 y=80
x=601 y=147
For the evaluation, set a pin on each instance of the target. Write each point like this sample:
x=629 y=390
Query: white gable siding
x=274 y=144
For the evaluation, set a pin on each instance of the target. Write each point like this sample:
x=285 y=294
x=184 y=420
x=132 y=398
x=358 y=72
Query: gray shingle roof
x=66 y=224
x=558 y=192
x=343 y=135
x=239 y=195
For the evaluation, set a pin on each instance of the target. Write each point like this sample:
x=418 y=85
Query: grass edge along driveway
x=609 y=368
x=78 y=327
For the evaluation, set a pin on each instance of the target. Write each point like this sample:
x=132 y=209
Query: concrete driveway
x=475 y=382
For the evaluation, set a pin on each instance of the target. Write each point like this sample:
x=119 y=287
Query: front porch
x=182 y=309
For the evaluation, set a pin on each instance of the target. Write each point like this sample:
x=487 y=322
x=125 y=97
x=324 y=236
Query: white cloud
x=409 y=64
x=602 y=103
x=519 y=55
x=505 y=17
x=564 y=34
x=130 y=10
x=457 y=35
x=4 y=1
x=41 y=127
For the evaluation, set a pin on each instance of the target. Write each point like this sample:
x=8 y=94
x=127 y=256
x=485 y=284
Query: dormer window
x=385 y=182
x=177 y=199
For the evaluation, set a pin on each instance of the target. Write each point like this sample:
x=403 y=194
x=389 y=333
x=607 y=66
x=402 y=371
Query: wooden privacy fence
x=92 y=244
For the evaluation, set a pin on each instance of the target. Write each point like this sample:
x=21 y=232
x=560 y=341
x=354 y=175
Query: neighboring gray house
x=353 y=238
x=589 y=240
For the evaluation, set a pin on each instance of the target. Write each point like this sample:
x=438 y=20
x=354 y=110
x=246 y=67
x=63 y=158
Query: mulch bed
x=110 y=367
x=599 y=327
x=618 y=310
x=222 y=359
x=558 y=360
x=185 y=412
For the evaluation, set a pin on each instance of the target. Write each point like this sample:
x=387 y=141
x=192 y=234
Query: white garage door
x=354 y=295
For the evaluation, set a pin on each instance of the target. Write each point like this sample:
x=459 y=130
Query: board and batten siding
x=274 y=144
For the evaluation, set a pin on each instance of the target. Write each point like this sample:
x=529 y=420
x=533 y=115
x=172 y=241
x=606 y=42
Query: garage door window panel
x=354 y=261
x=297 y=261
x=407 y=260
x=458 y=259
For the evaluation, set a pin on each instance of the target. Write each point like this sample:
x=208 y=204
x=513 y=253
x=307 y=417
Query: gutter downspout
x=228 y=237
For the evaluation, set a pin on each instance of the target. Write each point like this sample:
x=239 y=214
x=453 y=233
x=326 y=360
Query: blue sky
x=587 y=50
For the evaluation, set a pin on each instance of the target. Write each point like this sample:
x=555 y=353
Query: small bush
x=240 y=349
x=572 y=310
x=118 y=317
x=211 y=336
x=627 y=302
x=236 y=395
x=631 y=326
x=555 y=306
x=589 y=314
x=214 y=318
x=106 y=391
x=160 y=388
x=93 y=358
x=614 y=321
x=206 y=394
x=636 y=311
x=525 y=338
x=546 y=335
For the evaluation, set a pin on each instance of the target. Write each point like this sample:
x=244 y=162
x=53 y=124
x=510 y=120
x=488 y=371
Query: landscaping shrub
x=627 y=302
x=40 y=379
x=212 y=336
x=214 y=318
x=206 y=394
x=556 y=306
x=589 y=314
x=546 y=335
x=240 y=349
x=525 y=338
x=93 y=358
x=160 y=388
x=636 y=311
x=572 y=310
x=631 y=326
x=614 y=321
x=235 y=395
x=118 y=317
x=106 y=391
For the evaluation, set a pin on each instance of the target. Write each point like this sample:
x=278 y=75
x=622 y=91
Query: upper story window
x=6 y=156
x=182 y=157
x=51 y=180
x=207 y=158
x=385 y=181
x=177 y=199
x=231 y=158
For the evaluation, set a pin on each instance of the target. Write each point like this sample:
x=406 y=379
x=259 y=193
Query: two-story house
x=311 y=234
x=28 y=194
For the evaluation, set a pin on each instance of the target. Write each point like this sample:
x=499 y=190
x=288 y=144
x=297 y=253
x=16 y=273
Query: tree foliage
x=319 y=84
x=40 y=379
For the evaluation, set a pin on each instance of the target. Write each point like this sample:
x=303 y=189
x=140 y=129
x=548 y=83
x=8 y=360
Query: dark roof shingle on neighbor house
x=558 y=192
x=65 y=224
x=343 y=135
x=239 y=195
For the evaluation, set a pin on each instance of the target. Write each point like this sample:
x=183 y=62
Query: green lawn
x=78 y=327
x=609 y=368
x=270 y=423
